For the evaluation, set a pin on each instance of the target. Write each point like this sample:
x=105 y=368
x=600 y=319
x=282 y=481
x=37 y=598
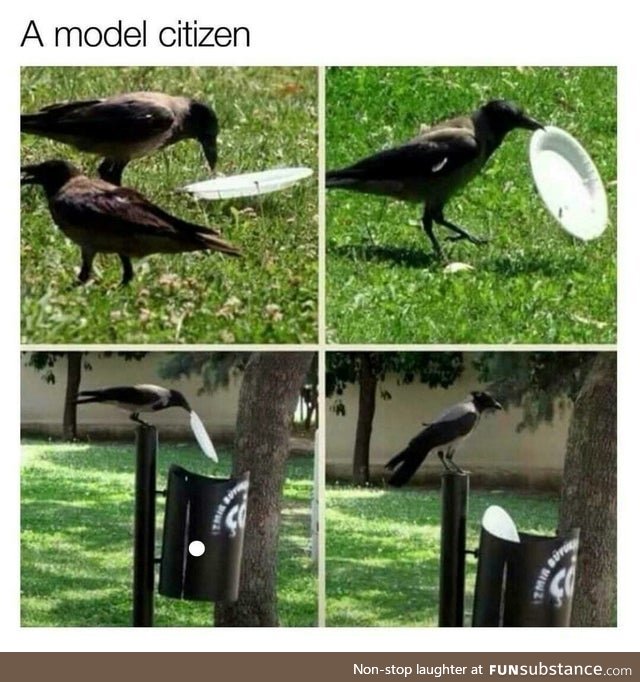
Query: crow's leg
x=442 y=459
x=460 y=233
x=135 y=417
x=127 y=269
x=450 y=453
x=87 y=266
x=111 y=171
x=427 y=226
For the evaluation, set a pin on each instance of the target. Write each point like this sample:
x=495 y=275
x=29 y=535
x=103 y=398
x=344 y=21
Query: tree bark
x=368 y=382
x=589 y=493
x=268 y=394
x=74 y=374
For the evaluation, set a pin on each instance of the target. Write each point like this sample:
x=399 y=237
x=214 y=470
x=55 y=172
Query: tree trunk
x=366 y=410
x=74 y=374
x=268 y=395
x=589 y=493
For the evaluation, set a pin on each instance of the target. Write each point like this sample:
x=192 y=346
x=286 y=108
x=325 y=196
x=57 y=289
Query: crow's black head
x=484 y=401
x=504 y=116
x=176 y=399
x=52 y=175
x=202 y=124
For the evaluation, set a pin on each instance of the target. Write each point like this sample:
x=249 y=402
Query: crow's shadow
x=409 y=258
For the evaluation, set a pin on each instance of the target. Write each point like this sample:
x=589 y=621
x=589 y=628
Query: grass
x=383 y=550
x=268 y=119
x=77 y=528
x=532 y=283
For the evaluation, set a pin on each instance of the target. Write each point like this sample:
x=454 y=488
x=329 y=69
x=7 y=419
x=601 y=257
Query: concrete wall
x=42 y=404
x=496 y=454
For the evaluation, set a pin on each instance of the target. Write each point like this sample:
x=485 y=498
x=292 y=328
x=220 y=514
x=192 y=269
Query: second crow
x=125 y=127
x=443 y=435
x=104 y=218
x=135 y=399
x=433 y=166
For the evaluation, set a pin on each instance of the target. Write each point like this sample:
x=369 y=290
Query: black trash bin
x=203 y=536
x=524 y=580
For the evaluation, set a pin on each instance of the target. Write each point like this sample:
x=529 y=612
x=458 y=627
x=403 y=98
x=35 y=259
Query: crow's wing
x=122 y=211
x=456 y=424
x=104 y=121
x=129 y=395
x=437 y=153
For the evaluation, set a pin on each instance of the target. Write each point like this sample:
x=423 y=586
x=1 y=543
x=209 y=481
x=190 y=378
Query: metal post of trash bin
x=144 y=525
x=455 y=493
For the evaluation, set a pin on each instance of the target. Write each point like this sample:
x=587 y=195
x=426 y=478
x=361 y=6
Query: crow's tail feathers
x=343 y=177
x=88 y=397
x=406 y=464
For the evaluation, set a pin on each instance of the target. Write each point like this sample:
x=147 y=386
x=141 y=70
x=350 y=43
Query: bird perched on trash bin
x=104 y=218
x=135 y=399
x=444 y=435
x=435 y=164
x=125 y=127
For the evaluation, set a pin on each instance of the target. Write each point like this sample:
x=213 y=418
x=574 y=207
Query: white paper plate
x=248 y=184
x=200 y=432
x=568 y=183
x=496 y=521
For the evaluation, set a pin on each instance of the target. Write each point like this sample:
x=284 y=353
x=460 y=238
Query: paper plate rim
x=272 y=179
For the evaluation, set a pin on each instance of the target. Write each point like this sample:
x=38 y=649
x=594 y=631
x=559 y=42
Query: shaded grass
x=77 y=535
x=267 y=119
x=532 y=283
x=383 y=551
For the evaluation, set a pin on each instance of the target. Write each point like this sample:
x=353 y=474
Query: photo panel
x=472 y=488
x=471 y=205
x=175 y=489
x=169 y=205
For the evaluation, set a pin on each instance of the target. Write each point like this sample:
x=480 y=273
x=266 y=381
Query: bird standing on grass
x=437 y=163
x=135 y=399
x=126 y=127
x=104 y=218
x=444 y=435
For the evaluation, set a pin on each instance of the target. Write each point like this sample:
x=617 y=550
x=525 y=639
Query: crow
x=125 y=127
x=433 y=166
x=104 y=218
x=135 y=399
x=443 y=434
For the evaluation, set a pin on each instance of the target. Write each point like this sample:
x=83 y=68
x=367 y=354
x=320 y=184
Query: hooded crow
x=126 y=127
x=437 y=163
x=105 y=218
x=444 y=435
x=135 y=399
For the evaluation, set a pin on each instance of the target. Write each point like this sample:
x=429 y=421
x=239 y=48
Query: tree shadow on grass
x=409 y=258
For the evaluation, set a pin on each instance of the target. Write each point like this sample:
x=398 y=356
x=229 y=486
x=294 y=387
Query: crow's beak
x=27 y=175
x=530 y=123
x=210 y=149
x=497 y=405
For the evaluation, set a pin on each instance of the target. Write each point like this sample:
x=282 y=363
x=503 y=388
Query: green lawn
x=532 y=283
x=77 y=525
x=268 y=118
x=383 y=549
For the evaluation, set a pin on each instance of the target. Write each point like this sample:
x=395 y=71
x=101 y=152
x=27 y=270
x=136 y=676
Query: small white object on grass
x=457 y=267
x=568 y=183
x=248 y=184
x=200 y=432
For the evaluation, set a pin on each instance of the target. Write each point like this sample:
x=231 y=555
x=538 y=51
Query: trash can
x=523 y=580
x=203 y=536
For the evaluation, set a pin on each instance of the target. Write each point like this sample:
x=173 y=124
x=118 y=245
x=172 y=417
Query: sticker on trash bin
x=557 y=577
x=196 y=548
x=230 y=515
